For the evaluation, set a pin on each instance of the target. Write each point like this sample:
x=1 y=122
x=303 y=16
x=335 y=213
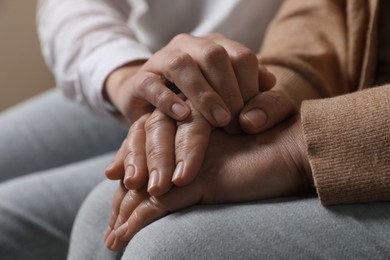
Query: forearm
x=308 y=42
x=348 y=144
x=83 y=42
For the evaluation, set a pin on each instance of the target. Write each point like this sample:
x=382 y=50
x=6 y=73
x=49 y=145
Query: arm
x=236 y=169
x=96 y=58
x=348 y=144
x=348 y=140
x=315 y=49
x=83 y=42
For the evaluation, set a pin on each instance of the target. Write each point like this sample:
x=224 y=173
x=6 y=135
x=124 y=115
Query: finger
x=152 y=88
x=153 y=208
x=213 y=56
x=116 y=170
x=109 y=236
x=267 y=80
x=180 y=68
x=245 y=65
x=160 y=152
x=136 y=171
x=119 y=194
x=214 y=60
x=191 y=142
x=129 y=202
x=265 y=111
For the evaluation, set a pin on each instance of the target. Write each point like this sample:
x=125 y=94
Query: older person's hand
x=236 y=169
x=160 y=151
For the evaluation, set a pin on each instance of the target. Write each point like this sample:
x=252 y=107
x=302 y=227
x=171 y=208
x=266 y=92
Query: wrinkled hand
x=236 y=169
x=160 y=151
x=216 y=74
x=164 y=155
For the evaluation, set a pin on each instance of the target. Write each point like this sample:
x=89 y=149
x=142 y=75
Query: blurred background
x=23 y=72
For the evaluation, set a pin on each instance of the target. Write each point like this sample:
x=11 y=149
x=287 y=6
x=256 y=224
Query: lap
x=291 y=228
x=37 y=211
x=49 y=131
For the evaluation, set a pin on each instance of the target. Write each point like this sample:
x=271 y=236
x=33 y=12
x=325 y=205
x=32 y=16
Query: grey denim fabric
x=52 y=154
x=285 y=228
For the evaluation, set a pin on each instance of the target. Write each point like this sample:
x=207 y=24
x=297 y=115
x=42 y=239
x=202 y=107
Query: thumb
x=267 y=80
x=265 y=110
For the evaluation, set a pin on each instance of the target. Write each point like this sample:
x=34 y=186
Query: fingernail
x=179 y=110
x=110 y=239
x=256 y=117
x=130 y=171
x=178 y=173
x=153 y=180
x=121 y=230
x=221 y=116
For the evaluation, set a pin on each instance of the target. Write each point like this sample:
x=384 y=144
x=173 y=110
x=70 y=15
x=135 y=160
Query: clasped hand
x=235 y=169
x=174 y=157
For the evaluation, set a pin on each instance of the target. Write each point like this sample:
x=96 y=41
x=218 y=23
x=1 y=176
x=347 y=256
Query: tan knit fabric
x=348 y=143
x=326 y=48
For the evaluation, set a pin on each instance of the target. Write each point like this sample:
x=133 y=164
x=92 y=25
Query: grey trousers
x=53 y=154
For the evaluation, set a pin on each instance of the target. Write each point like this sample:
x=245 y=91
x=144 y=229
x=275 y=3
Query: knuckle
x=135 y=127
x=145 y=80
x=180 y=37
x=190 y=148
x=157 y=153
x=214 y=53
x=131 y=152
x=280 y=100
x=179 y=61
x=205 y=98
x=136 y=218
x=215 y=36
x=275 y=96
x=155 y=202
x=244 y=57
x=154 y=121
x=162 y=99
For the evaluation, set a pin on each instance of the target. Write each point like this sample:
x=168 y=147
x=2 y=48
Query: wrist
x=116 y=81
x=301 y=148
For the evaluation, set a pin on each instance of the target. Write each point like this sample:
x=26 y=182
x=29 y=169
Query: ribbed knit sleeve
x=348 y=144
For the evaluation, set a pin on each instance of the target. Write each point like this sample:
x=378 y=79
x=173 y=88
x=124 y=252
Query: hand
x=236 y=169
x=266 y=110
x=154 y=145
x=216 y=74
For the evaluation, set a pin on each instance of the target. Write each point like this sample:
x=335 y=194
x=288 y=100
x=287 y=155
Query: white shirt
x=83 y=41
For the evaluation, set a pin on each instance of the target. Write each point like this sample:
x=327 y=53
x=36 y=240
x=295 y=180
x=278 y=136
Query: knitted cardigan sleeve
x=348 y=144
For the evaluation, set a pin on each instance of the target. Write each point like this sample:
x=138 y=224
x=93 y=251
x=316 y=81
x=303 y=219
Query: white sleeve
x=83 y=41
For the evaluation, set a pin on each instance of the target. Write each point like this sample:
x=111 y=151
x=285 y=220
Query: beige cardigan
x=325 y=48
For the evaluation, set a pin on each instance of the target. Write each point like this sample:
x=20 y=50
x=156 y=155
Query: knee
x=160 y=240
x=182 y=235
x=90 y=224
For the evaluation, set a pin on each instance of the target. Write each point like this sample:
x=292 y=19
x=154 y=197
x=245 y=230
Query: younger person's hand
x=216 y=74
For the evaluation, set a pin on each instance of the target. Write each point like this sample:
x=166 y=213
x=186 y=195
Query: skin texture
x=216 y=74
x=207 y=71
x=275 y=165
